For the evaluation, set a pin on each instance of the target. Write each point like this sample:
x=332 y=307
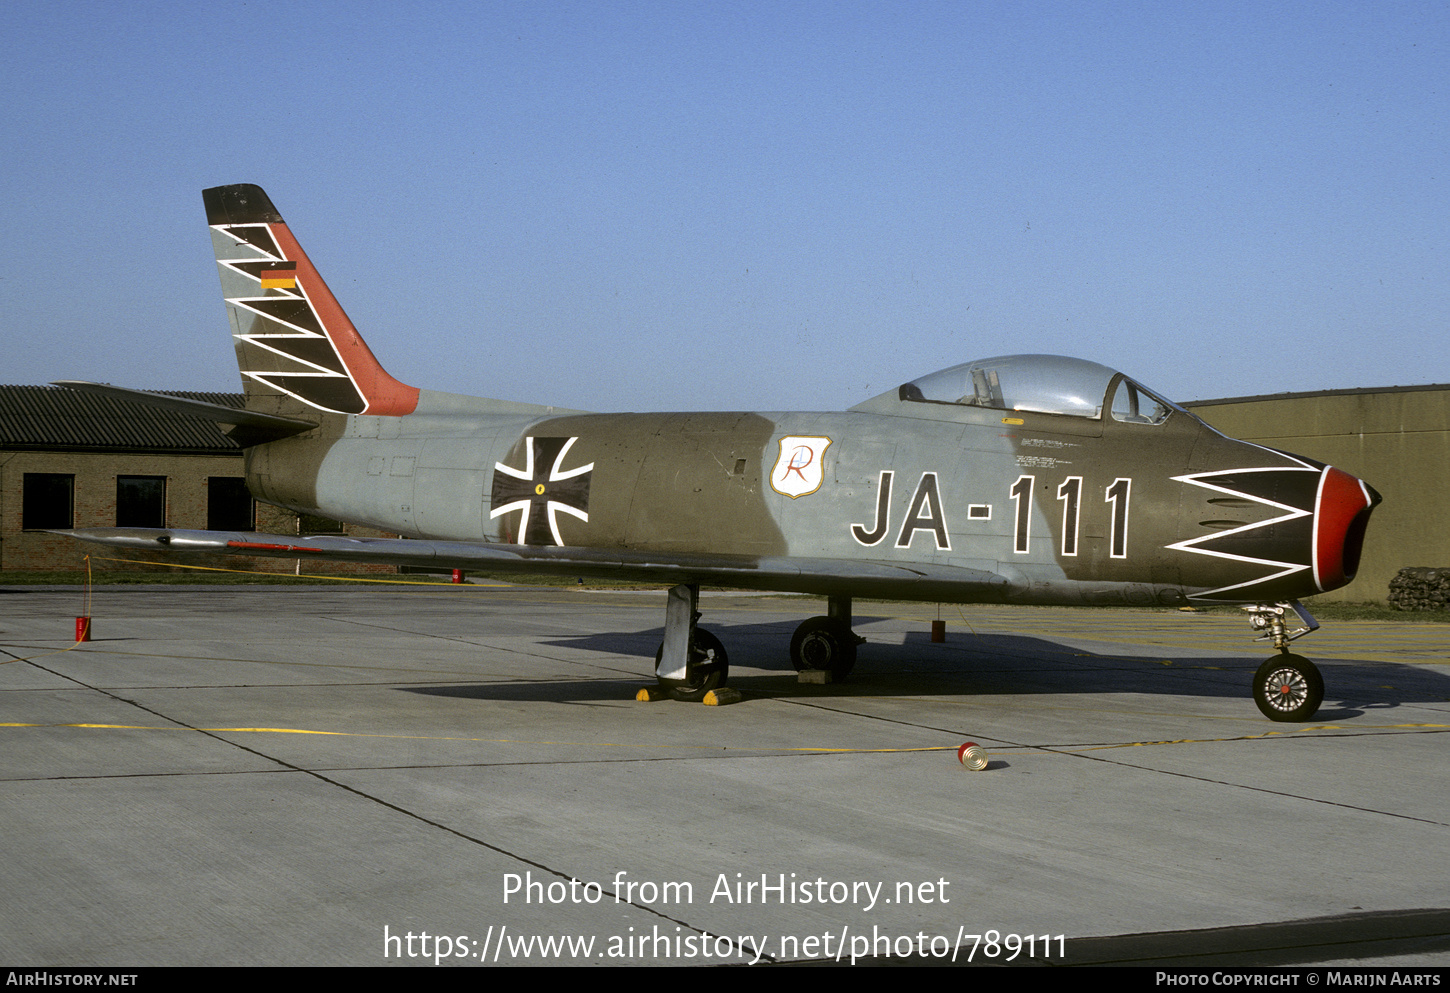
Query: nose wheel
x=1288 y=688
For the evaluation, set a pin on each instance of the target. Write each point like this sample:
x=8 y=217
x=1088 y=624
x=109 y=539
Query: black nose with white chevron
x=1304 y=534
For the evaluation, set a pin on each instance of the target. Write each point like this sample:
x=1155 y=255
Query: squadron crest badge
x=800 y=469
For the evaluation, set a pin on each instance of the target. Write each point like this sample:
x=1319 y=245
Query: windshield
x=1134 y=404
x=1049 y=384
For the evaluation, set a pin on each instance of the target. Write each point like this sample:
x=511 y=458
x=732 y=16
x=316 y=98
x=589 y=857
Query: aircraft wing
x=786 y=574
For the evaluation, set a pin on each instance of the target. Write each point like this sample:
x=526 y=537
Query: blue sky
x=649 y=206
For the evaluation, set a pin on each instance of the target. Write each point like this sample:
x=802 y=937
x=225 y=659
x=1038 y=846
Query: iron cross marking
x=541 y=490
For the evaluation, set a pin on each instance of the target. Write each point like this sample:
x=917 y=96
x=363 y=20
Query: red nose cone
x=1341 y=514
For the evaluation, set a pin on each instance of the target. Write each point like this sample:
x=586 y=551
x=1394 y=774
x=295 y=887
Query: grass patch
x=1374 y=612
x=201 y=577
x=1341 y=611
x=169 y=578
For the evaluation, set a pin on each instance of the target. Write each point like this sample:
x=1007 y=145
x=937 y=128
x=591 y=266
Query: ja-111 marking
x=1027 y=479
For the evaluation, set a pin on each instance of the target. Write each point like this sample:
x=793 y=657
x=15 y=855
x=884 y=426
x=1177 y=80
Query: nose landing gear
x=1288 y=687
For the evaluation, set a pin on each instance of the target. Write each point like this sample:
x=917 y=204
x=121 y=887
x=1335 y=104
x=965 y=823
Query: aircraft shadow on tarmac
x=966 y=664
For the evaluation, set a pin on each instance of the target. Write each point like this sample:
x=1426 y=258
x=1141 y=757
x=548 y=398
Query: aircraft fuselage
x=1070 y=510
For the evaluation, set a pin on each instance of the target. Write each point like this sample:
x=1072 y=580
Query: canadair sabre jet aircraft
x=1028 y=479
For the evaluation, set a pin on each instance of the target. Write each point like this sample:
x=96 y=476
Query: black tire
x=1288 y=688
x=708 y=669
x=823 y=643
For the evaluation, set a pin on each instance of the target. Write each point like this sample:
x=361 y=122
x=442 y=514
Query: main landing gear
x=827 y=643
x=691 y=662
x=1287 y=687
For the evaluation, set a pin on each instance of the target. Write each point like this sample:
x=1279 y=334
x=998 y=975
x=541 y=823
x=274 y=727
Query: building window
x=48 y=501
x=140 y=501
x=229 y=506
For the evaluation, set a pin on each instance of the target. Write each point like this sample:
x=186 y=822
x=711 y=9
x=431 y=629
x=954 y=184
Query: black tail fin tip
x=242 y=203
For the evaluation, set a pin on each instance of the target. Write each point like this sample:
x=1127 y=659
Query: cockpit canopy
x=1049 y=384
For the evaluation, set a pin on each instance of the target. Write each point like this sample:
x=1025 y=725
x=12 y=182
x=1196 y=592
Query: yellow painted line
x=1266 y=734
x=93 y=649
x=42 y=655
x=818 y=750
x=486 y=741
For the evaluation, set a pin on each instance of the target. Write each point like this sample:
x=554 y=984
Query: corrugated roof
x=53 y=418
x=1316 y=393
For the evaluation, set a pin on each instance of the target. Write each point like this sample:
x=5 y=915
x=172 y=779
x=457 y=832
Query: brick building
x=77 y=460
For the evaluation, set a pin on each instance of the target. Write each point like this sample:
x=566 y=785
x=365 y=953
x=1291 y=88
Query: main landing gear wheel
x=824 y=643
x=1288 y=688
x=708 y=668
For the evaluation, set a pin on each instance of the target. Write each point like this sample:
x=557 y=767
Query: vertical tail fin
x=294 y=343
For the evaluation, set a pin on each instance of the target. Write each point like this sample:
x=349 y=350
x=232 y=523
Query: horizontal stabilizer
x=259 y=427
x=826 y=577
